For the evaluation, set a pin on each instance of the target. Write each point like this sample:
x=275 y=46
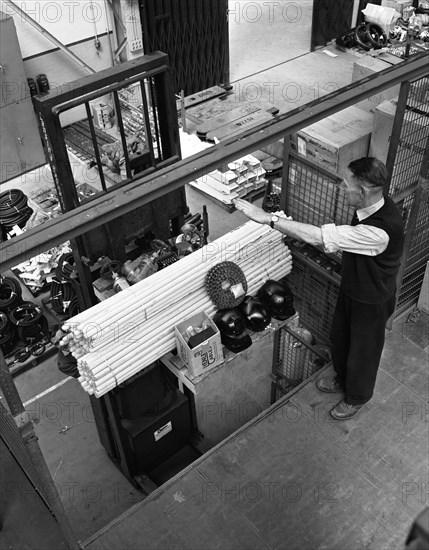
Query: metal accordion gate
x=194 y=34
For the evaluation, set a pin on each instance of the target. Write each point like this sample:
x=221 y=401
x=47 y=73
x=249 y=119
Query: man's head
x=364 y=182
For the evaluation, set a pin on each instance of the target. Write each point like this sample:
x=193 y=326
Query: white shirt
x=360 y=239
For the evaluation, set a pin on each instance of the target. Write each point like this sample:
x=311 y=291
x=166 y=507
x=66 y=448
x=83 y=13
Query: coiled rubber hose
x=10 y=293
x=14 y=209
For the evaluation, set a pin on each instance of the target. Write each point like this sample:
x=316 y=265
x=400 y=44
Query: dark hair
x=369 y=170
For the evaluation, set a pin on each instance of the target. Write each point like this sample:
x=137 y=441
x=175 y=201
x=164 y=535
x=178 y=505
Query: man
x=66 y=363
x=371 y=254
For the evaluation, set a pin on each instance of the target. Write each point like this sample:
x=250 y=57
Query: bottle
x=119 y=282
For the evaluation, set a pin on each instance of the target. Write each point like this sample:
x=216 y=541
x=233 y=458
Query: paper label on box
x=302 y=147
x=164 y=430
x=207 y=356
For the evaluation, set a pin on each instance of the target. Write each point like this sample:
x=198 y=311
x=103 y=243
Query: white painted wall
x=77 y=24
x=69 y=21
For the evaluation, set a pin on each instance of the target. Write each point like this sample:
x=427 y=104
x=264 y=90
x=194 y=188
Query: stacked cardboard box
x=332 y=143
x=397 y=5
x=234 y=180
x=367 y=66
x=412 y=143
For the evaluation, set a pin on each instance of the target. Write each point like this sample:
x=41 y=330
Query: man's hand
x=301 y=231
x=251 y=211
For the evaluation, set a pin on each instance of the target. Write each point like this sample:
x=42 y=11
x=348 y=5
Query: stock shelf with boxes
x=402 y=128
x=397 y=132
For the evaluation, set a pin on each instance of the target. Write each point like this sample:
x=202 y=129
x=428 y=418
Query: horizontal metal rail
x=148 y=188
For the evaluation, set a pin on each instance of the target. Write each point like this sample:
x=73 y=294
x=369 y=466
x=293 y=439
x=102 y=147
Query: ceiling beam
x=145 y=189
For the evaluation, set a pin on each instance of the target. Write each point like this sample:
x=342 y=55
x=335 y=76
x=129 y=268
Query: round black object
x=230 y=322
x=376 y=36
x=223 y=283
x=236 y=343
x=279 y=299
x=4 y=322
x=256 y=313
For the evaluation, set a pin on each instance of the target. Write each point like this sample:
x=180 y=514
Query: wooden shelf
x=178 y=368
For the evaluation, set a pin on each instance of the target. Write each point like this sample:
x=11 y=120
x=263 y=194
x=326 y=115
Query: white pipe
x=184 y=263
x=135 y=317
x=161 y=279
x=134 y=362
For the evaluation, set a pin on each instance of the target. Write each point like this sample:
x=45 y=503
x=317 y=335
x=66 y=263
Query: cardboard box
x=367 y=66
x=415 y=127
x=205 y=356
x=397 y=5
x=381 y=15
x=222 y=187
x=335 y=141
x=411 y=148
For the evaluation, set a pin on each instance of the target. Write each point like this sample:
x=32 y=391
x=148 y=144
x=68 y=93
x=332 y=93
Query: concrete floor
x=295 y=479
x=371 y=463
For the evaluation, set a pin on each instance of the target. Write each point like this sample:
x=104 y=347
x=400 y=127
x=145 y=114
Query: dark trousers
x=357 y=338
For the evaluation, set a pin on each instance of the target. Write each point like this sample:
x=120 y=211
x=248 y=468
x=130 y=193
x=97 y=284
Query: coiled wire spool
x=14 y=209
x=10 y=293
x=218 y=283
x=74 y=307
x=66 y=266
x=63 y=292
x=34 y=332
x=7 y=334
x=31 y=325
x=25 y=314
x=4 y=322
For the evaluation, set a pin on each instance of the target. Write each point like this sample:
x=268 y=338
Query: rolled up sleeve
x=361 y=239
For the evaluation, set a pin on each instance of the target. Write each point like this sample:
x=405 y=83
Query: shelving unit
x=231 y=394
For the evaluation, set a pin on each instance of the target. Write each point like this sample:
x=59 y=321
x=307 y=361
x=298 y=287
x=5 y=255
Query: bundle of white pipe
x=120 y=336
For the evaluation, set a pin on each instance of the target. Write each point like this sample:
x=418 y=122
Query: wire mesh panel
x=313 y=195
x=315 y=282
x=295 y=358
x=410 y=141
x=417 y=257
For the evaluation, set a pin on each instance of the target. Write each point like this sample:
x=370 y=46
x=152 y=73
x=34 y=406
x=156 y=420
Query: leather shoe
x=328 y=385
x=344 y=411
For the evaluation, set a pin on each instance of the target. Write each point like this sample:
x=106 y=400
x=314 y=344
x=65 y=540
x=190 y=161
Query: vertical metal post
x=147 y=128
x=120 y=124
x=95 y=143
x=285 y=174
x=396 y=131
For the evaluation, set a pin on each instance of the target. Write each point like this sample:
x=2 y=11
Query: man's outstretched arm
x=302 y=231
